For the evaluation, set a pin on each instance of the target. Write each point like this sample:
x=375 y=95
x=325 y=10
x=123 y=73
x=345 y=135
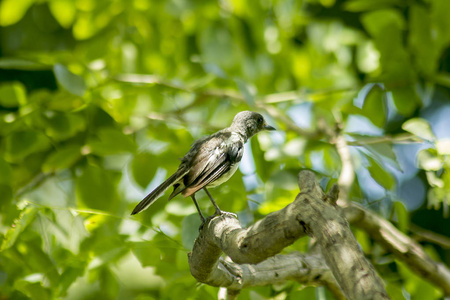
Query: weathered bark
x=311 y=214
x=401 y=245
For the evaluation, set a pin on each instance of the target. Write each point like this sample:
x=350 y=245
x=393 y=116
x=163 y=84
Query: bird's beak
x=268 y=127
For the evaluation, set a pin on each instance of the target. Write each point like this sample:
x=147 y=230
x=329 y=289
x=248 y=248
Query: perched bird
x=211 y=161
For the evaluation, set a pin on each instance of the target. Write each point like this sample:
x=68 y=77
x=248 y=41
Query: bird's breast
x=225 y=176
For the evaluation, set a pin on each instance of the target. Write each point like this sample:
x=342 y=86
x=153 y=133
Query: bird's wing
x=214 y=158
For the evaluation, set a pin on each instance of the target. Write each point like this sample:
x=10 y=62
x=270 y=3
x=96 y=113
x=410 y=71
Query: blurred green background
x=99 y=99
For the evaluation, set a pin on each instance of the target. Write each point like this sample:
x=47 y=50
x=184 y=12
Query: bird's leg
x=198 y=209
x=218 y=210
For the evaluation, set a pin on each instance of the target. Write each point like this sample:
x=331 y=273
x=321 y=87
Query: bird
x=211 y=161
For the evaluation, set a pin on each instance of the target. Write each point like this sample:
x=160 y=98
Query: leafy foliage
x=99 y=99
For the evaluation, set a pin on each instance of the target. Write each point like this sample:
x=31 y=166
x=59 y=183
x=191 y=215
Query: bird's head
x=250 y=123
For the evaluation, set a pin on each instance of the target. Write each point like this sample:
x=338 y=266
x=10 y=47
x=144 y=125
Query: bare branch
x=420 y=234
x=305 y=96
x=305 y=269
x=347 y=175
x=355 y=275
x=220 y=93
x=309 y=213
x=402 y=246
x=404 y=138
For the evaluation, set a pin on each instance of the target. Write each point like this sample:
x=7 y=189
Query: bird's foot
x=224 y=213
x=217 y=213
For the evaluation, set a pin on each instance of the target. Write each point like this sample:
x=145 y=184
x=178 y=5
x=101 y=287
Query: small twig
x=304 y=96
x=347 y=175
x=279 y=116
x=420 y=234
x=405 y=138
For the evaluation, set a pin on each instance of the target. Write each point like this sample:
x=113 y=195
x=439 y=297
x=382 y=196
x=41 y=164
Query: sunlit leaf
x=443 y=146
x=419 y=127
x=12 y=11
x=428 y=160
x=12 y=94
x=64 y=11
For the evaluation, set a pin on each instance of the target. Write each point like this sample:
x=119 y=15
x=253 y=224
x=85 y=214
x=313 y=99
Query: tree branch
x=313 y=213
x=401 y=245
x=305 y=269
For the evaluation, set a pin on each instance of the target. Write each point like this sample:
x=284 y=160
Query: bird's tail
x=150 y=198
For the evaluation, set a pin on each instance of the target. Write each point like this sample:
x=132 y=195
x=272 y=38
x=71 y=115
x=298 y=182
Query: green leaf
x=62 y=158
x=21 y=64
x=108 y=283
x=442 y=78
x=11 y=11
x=405 y=100
x=443 y=146
x=374 y=106
x=74 y=84
x=26 y=217
x=6 y=193
x=34 y=290
x=5 y=172
x=428 y=160
x=23 y=143
x=189 y=230
x=61 y=126
x=420 y=128
x=369 y=5
x=68 y=276
x=381 y=176
x=143 y=168
x=377 y=21
x=402 y=216
x=385 y=150
x=145 y=252
x=246 y=91
x=112 y=141
x=421 y=27
x=96 y=188
x=64 y=11
x=12 y=94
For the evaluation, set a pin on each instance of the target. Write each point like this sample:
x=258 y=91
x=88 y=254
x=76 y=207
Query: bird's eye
x=260 y=119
